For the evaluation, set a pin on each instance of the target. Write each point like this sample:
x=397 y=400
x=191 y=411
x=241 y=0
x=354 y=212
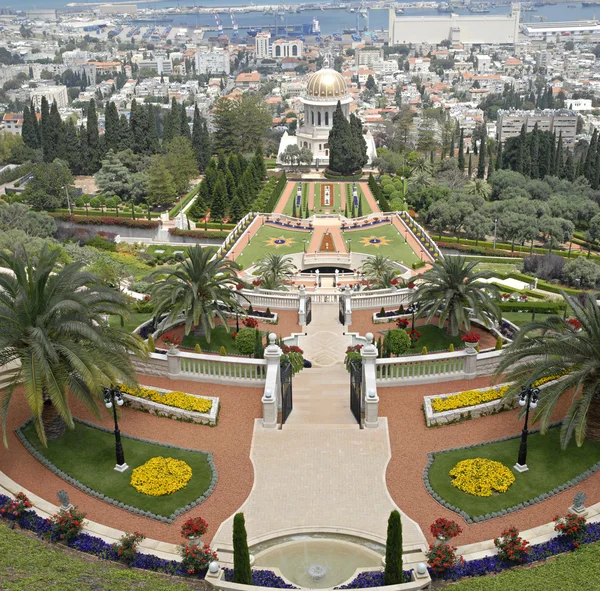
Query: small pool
x=318 y=563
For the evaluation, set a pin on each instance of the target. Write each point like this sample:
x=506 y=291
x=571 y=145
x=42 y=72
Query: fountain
x=318 y=563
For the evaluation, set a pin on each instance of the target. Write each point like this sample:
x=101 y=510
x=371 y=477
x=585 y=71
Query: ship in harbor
x=281 y=30
x=588 y=4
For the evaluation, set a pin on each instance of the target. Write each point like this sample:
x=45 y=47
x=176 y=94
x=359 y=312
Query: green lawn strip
x=366 y=208
x=289 y=206
x=134 y=320
x=397 y=249
x=497 y=267
x=28 y=564
x=576 y=570
x=549 y=467
x=257 y=249
x=88 y=455
x=522 y=318
x=433 y=337
x=168 y=250
x=219 y=337
x=338 y=204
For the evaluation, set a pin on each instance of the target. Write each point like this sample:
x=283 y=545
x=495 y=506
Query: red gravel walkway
x=284 y=197
x=369 y=197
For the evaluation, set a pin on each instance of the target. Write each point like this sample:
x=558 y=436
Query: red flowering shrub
x=354 y=349
x=441 y=557
x=172 y=339
x=257 y=282
x=239 y=286
x=402 y=323
x=194 y=527
x=511 y=547
x=445 y=528
x=17 y=507
x=471 y=337
x=250 y=322
x=411 y=285
x=414 y=335
x=234 y=334
x=67 y=525
x=571 y=526
x=287 y=349
x=196 y=559
x=574 y=323
x=126 y=547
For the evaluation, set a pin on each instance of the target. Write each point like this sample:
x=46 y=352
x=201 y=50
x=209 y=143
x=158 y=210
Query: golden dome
x=326 y=83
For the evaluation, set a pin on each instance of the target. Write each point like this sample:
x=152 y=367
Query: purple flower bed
x=389 y=313
x=262 y=578
x=371 y=579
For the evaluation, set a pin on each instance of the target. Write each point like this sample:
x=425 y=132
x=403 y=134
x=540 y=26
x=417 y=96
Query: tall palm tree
x=552 y=347
x=478 y=187
x=419 y=180
x=275 y=270
x=199 y=287
x=450 y=287
x=421 y=165
x=54 y=329
x=378 y=266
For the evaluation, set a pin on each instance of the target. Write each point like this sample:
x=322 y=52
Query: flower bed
x=261 y=578
x=161 y=476
x=173 y=404
x=368 y=579
x=481 y=477
x=107 y=221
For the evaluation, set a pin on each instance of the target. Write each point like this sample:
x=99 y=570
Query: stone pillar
x=302 y=305
x=173 y=366
x=470 y=362
x=347 y=306
x=371 y=401
x=271 y=399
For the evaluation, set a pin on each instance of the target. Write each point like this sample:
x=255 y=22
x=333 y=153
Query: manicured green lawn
x=578 y=570
x=521 y=318
x=132 y=322
x=28 y=564
x=219 y=337
x=337 y=204
x=432 y=337
x=549 y=467
x=168 y=250
x=498 y=267
x=259 y=248
x=396 y=247
x=289 y=206
x=88 y=455
x=366 y=208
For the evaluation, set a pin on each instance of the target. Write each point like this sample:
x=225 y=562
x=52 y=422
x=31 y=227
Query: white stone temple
x=323 y=91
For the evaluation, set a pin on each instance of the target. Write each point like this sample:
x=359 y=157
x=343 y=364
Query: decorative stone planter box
x=273 y=319
x=466 y=412
x=163 y=410
x=388 y=319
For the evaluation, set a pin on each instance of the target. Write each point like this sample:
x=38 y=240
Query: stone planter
x=470 y=347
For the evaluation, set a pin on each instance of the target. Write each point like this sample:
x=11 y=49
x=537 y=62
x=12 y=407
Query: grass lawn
x=338 y=203
x=521 y=318
x=28 y=564
x=219 y=337
x=577 y=570
x=433 y=337
x=498 y=267
x=88 y=454
x=289 y=206
x=549 y=467
x=396 y=248
x=168 y=250
x=259 y=248
x=366 y=208
x=134 y=320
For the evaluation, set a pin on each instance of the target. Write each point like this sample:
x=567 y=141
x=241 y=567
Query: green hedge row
x=337 y=177
x=275 y=194
x=541 y=307
x=199 y=234
x=183 y=202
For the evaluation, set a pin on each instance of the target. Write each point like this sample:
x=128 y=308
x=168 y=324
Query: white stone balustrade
x=271 y=399
x=369 y=379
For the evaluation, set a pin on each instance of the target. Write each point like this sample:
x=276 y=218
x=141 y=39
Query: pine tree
x=161 y=188
x=219 y=201
x=242 y=572
x=461 y=151
x=259 y=163
x=222 y=163
x=499 y=156
x=93 y=138
x=184 y=126
x=45 y=135
x=114 y=177
x=29 y=131
x=470 y=170
x=482 y=158
x=233 y=164
x=112 y=128
x=393 y=574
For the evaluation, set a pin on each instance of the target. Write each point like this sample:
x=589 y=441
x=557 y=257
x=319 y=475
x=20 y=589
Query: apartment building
x=563 y=121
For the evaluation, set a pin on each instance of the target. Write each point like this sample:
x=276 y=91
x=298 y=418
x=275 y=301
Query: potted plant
x=444 y=529
x=193 y=529
x=471 y=340
x=173 y=341
x=575 y=324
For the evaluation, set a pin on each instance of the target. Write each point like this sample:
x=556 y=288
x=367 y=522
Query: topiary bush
x=197 y=348
x=223 y=351
x=451 y=348
x=499 y=343
x=245 y=341
x=398 y=341
x=242 y=571
x=424 y=351
x=392 y=574
x=150 y=344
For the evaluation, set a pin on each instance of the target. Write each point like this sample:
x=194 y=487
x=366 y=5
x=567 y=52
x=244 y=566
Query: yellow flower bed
x=473 y=397
x=175 y=399
x=161 y=476
x=481 y=477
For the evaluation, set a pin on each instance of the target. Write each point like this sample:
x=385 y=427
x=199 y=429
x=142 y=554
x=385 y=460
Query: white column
x=173 y=367
x=348 y=306
x=371 y=401
x=271 y=399
x=470 y=362
x=302 y=305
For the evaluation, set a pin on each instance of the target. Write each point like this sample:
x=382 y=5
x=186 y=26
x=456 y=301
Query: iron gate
x=342 y=306
x=286 y=390
x=356 y=389
x=308 y=311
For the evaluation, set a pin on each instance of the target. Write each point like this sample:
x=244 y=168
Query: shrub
x=393 y=550
x=199 y=234
x=572 y=526
x=245 y=341
x=223 y=351
x=107 y=220
x=382 y=312
x=547 y=267
x=511 y=547
x=126 y=547
x=250 y=310
x=268 y=313
x=67 y=524
x=150 y=345
x=15 y=508
x=250 y=322
x=198 y=349
x=445 y=529
x=424 y=351
x=242 y=572
x=194 y=527
x=451 y=348
x=195 y=559
x=402 y=323
x=499 y=343
x=398 y=341
x=441 y=557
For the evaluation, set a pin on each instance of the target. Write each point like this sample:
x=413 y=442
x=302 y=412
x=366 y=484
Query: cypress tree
x=93 y=138
x=392 y=574
x=233 y=164
x=461 y=152
x=534 y=153
x=590 y=157
x=57 y=134
x=259 y=163
x=219 y=201
x=482 y=156
x=83 y=149
x=359 y=143
x=307 y=214
x=560 y=165
x=341 y=155
x=111 y=128
x=72 y=147
x=360 y=207
x=552 y=155
x=470 y=170
x=570 y=167
x=45 y=134
x=236 y=213
x=452 y=146
x=152 y=141
x=346 y=209
x=596 y=181
x=198 y=139
x=184 y=126
x=222 y=163
x=294 y=212
x=230 y=184
x=490 y=170
x=29 y=130
x=242 y=572
x=125 y=139
x=499 y=156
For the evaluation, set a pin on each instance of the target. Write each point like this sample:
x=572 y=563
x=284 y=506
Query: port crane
x=234 y=23
x=219 y=23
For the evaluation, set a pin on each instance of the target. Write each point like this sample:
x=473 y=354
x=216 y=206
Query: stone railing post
x=470 y=362
x=302 y=305
x=371 y=401
x=173 y=365
x=271 y=399
x=347 y=306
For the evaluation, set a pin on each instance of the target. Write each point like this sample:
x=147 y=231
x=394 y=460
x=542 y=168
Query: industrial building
x=561 y=29
x=458 y=28
x=563 y=121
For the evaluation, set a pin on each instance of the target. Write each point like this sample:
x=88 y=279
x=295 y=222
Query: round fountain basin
x=318 y=563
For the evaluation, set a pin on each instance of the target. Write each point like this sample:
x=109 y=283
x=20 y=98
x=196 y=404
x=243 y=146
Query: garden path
x=369 y=197
x=284 y=197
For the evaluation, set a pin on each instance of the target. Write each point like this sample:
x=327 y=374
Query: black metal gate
x=356 y=389
x=308 y=311
x=286 y=390
x=342 y=310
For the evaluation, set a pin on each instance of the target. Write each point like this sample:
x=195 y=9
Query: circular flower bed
x=161 y=476
x=481 y=477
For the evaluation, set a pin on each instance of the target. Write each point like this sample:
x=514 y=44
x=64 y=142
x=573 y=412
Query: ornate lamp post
x=112 y=399
x=411 y=309
x=529 y=398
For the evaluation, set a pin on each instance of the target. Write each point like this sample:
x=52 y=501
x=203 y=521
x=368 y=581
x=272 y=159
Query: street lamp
x=412 y=308
x=304 y=245
x=68 y=199
x=495 y=228
x=349 y=242
x=529 y=398
x=112 y=399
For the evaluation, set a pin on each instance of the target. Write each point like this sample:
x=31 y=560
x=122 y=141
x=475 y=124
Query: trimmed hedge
x=184 y=201
x=199 y=234
x=541 y=307
x=106 y=220
x=328 y=174
x=276 y=193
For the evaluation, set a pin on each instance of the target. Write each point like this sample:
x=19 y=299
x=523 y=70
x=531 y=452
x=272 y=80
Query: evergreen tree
x=393 y=574
x=93 y=138
x=114 y=177
x=242 y=571
x=72 y=148
x=294 y=212
x=226 y=122
x=552 y=155
x=452 y=148
x=359 y=143
x=57 y=133
x=45 y=135
x=596 y=180
x=499 y=156
x=230 y=184
x=236 y=212
x=341 y=153
x=152 y=116
x=570 y=167
x=83 y=149
x=590 y=157
x=184 y=126
x=161 y=188
x=461 y=151
x=482 y=158
x=307 y=213
x=219 y=201
x=559 y=167
x=233 y=164
x=125 y=137
x=112 y=128
x=29 y=129
x=200 y=140
x=259 y=163
x=522 y=146
x=470 y=170
x=222 y=163
x=490 y=170
x=181 y=161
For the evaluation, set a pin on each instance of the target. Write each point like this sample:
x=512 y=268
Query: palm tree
x=452 y=286
x=421 y=165
x=200 y=288
x=378 y=266
x=54 y=329
x=478 y=187
x=552 y=347
x=384 y=280
x=275 y=270
x=419 y=180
